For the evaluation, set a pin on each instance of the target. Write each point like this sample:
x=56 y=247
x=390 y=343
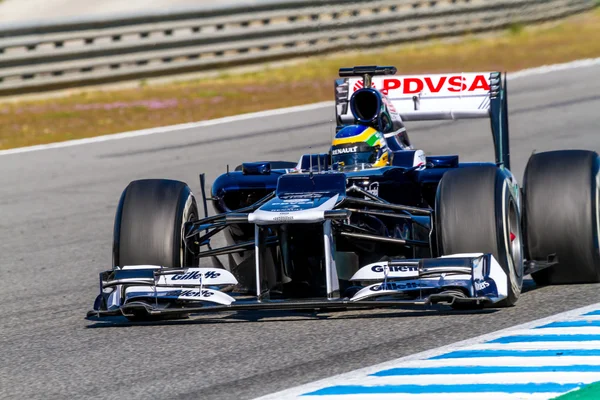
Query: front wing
x=153 y=291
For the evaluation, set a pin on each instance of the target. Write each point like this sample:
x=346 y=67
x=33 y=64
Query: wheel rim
x=190 y=212
x=515 y=240
x=191 y=217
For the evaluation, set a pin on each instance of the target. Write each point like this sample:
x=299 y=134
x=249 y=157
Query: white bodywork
x=431 y=97
x=292 y=215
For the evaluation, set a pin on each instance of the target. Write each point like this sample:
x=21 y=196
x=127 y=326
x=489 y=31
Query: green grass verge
x=589 y=392
x=101 y=111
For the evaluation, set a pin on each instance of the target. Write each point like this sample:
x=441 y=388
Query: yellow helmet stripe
x=363 y=137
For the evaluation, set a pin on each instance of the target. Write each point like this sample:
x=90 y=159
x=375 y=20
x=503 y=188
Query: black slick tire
x=149 y=224
x=560 y=199
x=477 y=212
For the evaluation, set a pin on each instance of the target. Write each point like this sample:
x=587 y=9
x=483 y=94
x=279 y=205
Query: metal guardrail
x=75 y=53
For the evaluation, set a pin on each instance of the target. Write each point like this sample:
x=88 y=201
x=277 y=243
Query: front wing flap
x=155 y=284
x=474 y=275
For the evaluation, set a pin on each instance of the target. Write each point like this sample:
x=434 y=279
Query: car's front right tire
x=149 y=224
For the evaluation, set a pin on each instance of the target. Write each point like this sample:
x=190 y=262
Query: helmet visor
x=354 y=156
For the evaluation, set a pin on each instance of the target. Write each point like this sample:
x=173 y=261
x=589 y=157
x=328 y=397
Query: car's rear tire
x=149 y=224
x=476 y=212
x=561 y=191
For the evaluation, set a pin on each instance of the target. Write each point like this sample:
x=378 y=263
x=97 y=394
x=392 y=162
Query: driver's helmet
x=358 y=147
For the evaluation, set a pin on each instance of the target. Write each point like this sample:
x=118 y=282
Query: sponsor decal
x=374 y=188
x=196 y=275
x=288 y=205
x=397 y=286
x=433 y=84
x=420 y=159
x=283 y=218
x=190 y=293
x=344 y=150
x=283 y=207
x=481 y=285
x=303 y=196
x=395 y=268
x=291 y=201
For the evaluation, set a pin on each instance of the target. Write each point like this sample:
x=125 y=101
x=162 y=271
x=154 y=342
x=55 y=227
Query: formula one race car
x=371 y=223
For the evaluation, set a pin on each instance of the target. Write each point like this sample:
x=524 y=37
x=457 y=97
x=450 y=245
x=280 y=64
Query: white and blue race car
x=420 y=230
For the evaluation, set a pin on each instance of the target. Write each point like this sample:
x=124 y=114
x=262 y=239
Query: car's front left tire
x=476 y=212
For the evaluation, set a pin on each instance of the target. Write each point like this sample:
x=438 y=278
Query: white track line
x=506 y=362
x=559 y=331
x=545 y=69
x=444 y=396
x=280 y=111
x=170 y=128
x=474 y=379
x=589 y=345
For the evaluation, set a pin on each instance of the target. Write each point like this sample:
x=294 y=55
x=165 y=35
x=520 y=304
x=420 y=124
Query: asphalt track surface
x=56 y=216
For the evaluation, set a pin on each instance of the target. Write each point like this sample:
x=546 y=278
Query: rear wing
x=437 y=97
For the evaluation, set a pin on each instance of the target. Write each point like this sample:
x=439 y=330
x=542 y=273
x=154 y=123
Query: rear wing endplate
x=438 y=97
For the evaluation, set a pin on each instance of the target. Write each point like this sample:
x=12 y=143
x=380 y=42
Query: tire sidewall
x=117 y=231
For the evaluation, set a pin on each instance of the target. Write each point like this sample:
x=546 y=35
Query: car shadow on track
x=266 y=316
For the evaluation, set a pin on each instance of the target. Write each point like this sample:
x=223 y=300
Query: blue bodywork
x=398 y=183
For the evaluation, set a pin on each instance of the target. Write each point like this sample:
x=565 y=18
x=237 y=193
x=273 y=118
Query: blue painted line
x=476 y=370
x=571 y=324
x=545 y=338
x=469 y=388
x=596 y=312
x=517 y=353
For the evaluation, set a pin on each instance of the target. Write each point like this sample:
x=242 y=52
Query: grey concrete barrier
x=37 y=57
